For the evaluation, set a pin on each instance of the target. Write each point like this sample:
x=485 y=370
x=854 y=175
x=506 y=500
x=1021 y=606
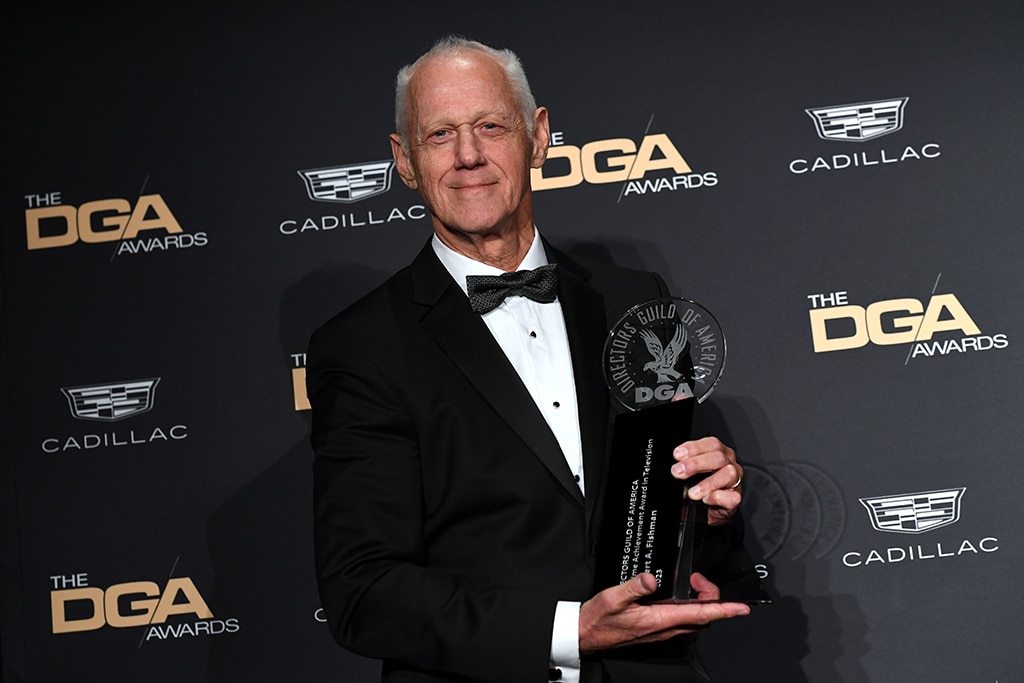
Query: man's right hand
x=613 y=618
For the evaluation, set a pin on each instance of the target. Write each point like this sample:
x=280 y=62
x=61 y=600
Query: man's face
x=469 y=150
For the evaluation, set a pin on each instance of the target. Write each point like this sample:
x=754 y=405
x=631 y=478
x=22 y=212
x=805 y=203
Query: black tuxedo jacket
x=448 y=524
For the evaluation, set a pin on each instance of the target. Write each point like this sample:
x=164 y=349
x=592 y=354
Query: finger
x=722 y=479
x=719 y=515
x=691 y=460
x=699 y=615
x=715 y=611
x=706 y=590
x=697 y=447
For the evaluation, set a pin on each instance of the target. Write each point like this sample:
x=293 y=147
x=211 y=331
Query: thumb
x=639 y=586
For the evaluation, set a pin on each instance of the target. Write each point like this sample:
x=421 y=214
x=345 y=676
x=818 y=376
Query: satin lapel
x=584 y=312
x=464 y=338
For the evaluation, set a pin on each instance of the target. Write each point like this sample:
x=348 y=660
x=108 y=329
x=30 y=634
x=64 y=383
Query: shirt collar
x=459 y=266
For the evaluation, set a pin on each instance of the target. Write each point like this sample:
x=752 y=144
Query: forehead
x=459 y=85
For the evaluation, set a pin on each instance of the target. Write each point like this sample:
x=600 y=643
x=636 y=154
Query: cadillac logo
x=348 y=184
x=111 y=402
x=914 y=513
x=858 y=122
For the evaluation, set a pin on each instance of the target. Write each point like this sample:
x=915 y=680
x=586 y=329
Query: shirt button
x=533 y=334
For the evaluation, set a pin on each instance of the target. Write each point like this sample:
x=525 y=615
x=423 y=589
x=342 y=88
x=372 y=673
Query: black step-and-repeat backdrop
x=188 y=194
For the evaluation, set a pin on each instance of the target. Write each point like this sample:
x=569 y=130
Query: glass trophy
x=660 y=360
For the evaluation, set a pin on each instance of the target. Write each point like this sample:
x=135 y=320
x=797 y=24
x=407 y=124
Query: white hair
x=456 y=45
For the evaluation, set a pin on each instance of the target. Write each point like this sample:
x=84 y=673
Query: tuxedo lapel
x=465 y=339
x=584 y=312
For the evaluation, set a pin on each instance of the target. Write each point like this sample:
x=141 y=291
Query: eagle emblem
x=665 y=357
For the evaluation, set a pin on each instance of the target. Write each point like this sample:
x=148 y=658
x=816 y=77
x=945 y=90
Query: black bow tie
x=486 y=292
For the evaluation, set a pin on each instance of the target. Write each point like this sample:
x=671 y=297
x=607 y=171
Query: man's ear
x=402 y=162
x=541 y=137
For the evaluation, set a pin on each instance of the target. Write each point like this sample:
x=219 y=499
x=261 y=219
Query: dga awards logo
x=168 y=611
x=107 y=403
x=639 y=168
x=859 y=123
x=146 y=225
x=938 y=326
x=917 y=513
x=349 y=184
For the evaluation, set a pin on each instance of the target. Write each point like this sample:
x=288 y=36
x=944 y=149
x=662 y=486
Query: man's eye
x=439 y=134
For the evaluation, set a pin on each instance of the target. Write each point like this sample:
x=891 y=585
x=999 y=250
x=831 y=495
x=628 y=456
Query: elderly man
x=461 y=440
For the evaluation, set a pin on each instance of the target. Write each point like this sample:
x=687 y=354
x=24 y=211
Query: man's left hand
x=720 y=490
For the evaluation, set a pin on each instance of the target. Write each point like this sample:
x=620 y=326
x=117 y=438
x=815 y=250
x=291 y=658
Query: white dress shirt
x=534 y=339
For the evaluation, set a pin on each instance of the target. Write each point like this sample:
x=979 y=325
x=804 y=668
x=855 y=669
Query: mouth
x=473 y=186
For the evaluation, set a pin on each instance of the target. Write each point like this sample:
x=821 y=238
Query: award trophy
x=660 y=360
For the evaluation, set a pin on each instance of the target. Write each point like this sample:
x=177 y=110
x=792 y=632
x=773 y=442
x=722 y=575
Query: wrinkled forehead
x=467 y=75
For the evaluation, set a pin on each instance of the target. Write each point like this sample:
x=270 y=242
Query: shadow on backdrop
x=786 y=504
x=261 y=538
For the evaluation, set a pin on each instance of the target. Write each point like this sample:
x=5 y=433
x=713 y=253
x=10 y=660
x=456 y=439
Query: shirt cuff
x=565 y=641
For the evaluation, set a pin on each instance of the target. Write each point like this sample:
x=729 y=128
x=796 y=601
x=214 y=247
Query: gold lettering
x=194 y=603
x=819 y=333
x=574 y=177
x=114 y=616
x=299 y=389
x=621 y=163
x=671 y=157
x=906 y=326
x=960 y=319
x=114 y=224
x=58 y=601
x=163 y=219
x=33 y=233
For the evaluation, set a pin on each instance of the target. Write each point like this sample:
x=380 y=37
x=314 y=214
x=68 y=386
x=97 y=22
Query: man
x=460 y=447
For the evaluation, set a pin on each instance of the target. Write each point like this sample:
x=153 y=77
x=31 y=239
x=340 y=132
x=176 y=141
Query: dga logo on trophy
x=861 y=122
x=349 y=184
x=49 y=224
x=112 y=402
x=619 y=160
x=662 y=351
x=917 y=513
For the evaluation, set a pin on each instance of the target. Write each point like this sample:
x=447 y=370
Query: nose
x=468 y=150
